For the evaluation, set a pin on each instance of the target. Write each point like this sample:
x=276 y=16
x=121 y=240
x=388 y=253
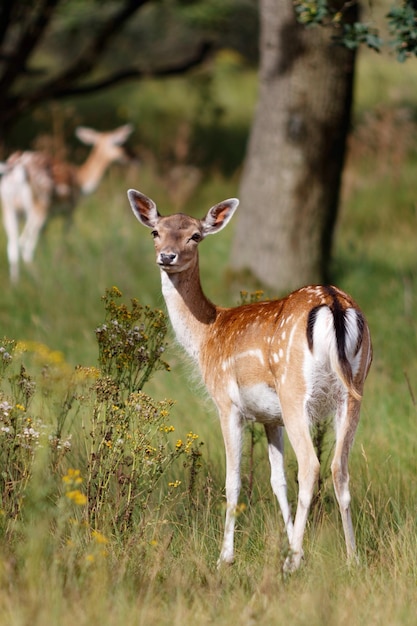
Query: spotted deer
x=35 y=185
x=285 y=363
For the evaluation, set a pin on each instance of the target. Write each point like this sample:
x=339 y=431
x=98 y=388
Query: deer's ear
x=119 y=135
x=143 y=208
x=219 y=215
x=87 y=135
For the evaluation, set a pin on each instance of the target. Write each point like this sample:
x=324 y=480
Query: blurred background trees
x=51 y=50
x=291 y=182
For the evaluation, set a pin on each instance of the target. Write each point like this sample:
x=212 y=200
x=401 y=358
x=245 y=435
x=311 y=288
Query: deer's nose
x=167 y=258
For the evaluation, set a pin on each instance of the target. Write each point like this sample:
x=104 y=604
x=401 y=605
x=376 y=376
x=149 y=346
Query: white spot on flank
x=233 y=391
x=226 y=364
x=290 y=341
x=257 y=354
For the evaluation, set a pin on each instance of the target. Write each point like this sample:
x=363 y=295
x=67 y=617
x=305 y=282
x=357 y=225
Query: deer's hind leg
x=11 y=226
x=275 y=437
x=347 y=418
x=36 y=219
x=297 y=424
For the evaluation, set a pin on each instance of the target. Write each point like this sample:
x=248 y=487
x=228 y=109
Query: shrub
x=90 y=443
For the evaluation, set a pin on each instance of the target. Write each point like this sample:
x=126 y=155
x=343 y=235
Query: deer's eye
x=155 y=234
x=196 y=237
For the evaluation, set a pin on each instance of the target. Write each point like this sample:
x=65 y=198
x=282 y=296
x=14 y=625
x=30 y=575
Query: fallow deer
x=36 y=185
x=284 y=363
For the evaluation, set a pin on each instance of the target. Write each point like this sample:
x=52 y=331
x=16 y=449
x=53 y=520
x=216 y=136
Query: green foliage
x=232 y=24
x=401 y=20
x=312 y=13
x=207 y=15
x=347 y=33
x=357 y=34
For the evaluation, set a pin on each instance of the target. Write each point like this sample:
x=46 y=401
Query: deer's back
x=253 y=351
x=51 y=181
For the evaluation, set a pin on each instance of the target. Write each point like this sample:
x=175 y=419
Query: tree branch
x=74 y=79
x=28 y=41
x=86 y=61
x=202 y=53
x=23 y=105
x=80 y=67
x=5 y=18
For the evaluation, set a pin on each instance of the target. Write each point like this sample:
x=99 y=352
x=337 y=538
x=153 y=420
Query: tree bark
x=291 y=179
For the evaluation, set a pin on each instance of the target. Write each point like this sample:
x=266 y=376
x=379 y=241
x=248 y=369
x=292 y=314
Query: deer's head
x=108 y=144
x=176 y=237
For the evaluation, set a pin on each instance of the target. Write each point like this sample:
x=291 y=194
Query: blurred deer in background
x=284 y=363
x=36 y=185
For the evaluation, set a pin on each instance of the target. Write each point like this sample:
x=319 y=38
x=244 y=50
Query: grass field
x=65 y=563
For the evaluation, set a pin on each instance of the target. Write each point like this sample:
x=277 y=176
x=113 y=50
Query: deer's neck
x=90 y=173
x=190 y=312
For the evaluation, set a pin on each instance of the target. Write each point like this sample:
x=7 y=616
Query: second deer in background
x=35 y=185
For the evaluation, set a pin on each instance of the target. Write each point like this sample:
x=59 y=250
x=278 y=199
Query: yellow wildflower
x=191 y=437
x=72 y=477
x=99 y=537
x=77 y=497
x=167 y=429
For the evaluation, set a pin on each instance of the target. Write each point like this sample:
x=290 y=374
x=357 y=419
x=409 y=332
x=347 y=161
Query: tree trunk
x=291 y=180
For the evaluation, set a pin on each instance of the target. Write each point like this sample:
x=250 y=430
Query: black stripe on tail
x=311 y=320
x=339 y=320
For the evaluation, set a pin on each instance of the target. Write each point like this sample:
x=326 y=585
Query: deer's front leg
x=232 y=428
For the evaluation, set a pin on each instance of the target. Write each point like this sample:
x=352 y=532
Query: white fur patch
x=260 y=403
x=324 y=387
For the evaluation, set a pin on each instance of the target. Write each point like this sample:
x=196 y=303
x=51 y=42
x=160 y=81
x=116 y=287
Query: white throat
x=182 y=319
